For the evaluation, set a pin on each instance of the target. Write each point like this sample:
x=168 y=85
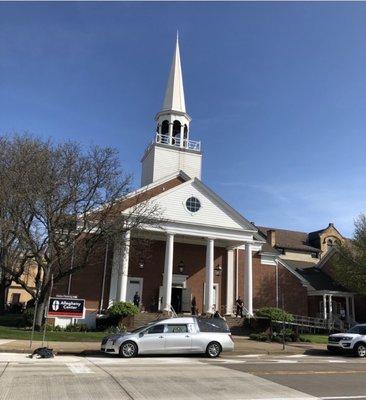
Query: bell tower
x=172 y=150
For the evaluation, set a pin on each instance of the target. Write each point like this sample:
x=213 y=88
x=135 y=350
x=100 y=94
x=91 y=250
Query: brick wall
x=264 y=286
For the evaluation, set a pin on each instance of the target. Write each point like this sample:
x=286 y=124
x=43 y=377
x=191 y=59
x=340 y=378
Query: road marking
x=342 y=397
x=337 y=361
x=79 y=368
x=309 y=373
x=286 y=361
x=297 y=355
x=251 y=355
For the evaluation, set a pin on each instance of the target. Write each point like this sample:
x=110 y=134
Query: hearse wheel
x=213 y=349
x=128 y=350
x=360 y=350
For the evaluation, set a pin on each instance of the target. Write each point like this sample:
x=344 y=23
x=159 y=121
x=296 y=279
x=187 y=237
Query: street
x=230 y=377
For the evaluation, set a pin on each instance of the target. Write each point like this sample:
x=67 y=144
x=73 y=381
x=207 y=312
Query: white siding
x=173 y=205
x=147 y=168
x=163 y=161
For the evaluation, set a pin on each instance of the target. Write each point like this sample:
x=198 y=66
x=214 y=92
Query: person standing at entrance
x=136 y=300
x=239 y=307
x=194 y=306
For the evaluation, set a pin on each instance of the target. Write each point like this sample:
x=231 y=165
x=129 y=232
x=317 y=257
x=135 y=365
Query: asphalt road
x=230 y=377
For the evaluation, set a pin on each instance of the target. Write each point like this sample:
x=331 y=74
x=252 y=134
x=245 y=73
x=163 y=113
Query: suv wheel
x=213 y=350
x=360 y=350
x=128 y=350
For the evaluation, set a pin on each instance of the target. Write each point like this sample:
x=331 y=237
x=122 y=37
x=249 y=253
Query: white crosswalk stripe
x=79 y=368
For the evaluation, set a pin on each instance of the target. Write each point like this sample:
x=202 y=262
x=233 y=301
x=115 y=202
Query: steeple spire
x=174 y=94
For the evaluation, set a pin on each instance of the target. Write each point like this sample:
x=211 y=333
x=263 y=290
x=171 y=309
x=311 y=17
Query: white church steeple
x=174 y=94
x=173 y=120
x=172 y=150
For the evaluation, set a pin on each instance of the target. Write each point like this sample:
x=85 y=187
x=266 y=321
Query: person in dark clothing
x=194 y=306
x=239 y=307
x=136 y=299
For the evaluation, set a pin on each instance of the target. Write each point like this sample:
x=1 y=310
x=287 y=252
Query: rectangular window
x=15 y=298
x=177 y=328
x=156 y=329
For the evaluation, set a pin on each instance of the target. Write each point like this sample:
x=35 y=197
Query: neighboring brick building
x=204 y=249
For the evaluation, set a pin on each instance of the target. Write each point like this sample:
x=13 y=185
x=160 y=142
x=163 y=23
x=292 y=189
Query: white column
x=170 y=132
x=181 y=144
x=348 y=319
x=168 y=272
x=230 y=282
x=324 y=306
x=248 y=280
x=123 y=254
x=209 y=276
x=330 y=307
x=353 y=308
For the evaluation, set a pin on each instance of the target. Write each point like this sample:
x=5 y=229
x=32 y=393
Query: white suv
x=352 y=341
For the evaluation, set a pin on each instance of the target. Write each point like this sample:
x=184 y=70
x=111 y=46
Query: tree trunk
x=42 y=303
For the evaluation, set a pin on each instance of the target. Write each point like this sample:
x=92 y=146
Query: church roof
x=174 y=94
x=292 y=240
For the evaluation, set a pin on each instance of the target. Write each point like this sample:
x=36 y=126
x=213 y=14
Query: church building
x=205 y=252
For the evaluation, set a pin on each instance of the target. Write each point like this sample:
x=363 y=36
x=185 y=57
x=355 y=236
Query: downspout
x=237 y=275
x=277 y=288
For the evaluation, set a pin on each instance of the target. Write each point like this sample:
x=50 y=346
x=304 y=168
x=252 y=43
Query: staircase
x=235 y=325
x=144 y=318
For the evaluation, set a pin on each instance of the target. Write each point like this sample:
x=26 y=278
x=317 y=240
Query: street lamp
x=181 y=266
x=218 y=270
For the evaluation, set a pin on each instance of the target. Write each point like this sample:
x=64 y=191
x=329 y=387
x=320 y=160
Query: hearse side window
x=212 y=325
x=177 y=328
x=156 y=329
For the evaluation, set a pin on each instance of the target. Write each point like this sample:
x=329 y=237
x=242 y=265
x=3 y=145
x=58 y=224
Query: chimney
x=271 y=237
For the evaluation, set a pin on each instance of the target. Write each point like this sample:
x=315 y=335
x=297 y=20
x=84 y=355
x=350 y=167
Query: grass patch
x=313 y=338
x=23 y=334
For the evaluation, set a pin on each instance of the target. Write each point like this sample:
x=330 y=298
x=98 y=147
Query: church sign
x=66 y=307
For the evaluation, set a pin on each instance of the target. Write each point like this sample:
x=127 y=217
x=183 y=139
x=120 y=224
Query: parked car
x=353 y=341
x=173 y=336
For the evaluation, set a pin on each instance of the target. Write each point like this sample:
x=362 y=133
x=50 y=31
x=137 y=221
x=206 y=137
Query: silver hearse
x=173 y=336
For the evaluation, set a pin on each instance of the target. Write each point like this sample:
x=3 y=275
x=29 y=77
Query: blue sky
x=277 y=93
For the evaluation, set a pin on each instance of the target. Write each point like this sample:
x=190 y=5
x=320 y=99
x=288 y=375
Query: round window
x=193 y=204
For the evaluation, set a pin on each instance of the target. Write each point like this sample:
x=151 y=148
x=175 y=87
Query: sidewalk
x=243 y=346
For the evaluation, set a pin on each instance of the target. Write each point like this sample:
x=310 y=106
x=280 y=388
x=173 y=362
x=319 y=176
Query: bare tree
x=64 y=201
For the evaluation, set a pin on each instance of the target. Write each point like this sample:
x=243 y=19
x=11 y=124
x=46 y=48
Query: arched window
x=176 y=132
x=165 y=127
x=330 y=243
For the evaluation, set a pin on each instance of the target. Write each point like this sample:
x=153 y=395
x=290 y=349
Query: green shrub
x=259 y=337
x=76 y=328
x=303 y=339
x=122 y=310
x=115 y=329
x=274 y=314
x=27 y=318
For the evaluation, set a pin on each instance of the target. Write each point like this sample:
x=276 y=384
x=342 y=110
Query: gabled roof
x=292 y=240
x=238 y=221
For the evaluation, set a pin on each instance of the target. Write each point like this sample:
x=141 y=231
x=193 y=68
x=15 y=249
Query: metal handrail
x=177 y=142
